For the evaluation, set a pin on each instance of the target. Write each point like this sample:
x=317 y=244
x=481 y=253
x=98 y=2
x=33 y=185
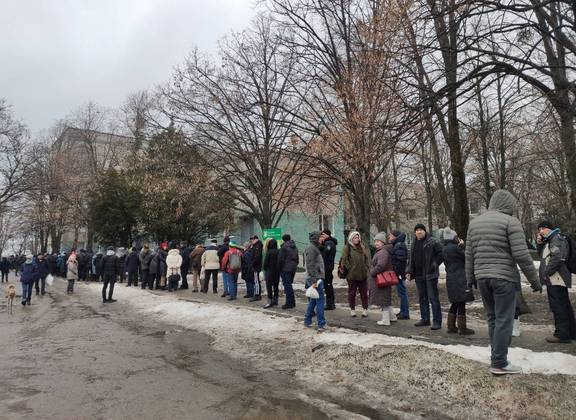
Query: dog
x=10 y=295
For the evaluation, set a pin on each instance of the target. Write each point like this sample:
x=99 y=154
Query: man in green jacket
x=496 y=245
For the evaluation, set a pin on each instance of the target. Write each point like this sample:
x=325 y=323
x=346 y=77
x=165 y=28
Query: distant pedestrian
x=145 y=258
x=131 y=267
x=71 y=273
x=399 y=256
x=231 y=266
x=28 y=275
x=4 y=269
x=271 y=273
x=173 y=265
x=496 y=246
x=185 y=267
x=121 y=254
x=222 y=249
x=554 y=251
x=211 y=265
x=315 y=278
x=257 y=257
x=356 y=261
x=110 y=274
x=328 y=250
x=287 y=264
x=196 y=266
x=425 y=260
x=456 y=285
x=43 y=271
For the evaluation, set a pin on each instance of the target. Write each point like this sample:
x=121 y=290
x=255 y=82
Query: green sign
x=275 y=233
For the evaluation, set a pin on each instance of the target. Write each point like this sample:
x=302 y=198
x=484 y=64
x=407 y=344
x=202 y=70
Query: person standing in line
x=121 y=254
x=28 y=276
x=221 y=251
x=554 y=250
x=456 y=285
x=356 y=261
x=288 y=264
x=328 y=249
x=271 y=273
x=145 y=259
x=247 y=274
x=425 y=260
x=71 y=273
x=211 y=265
x=231 y=266
x=110 y=273
x=173 y=265
x=315 y=278
x=131 y=268
x=381 y=263
x=399 y=257
x=162 y=266
x=496 y=247
x=185 y=268
x=257 y=256
x=196 y=266
x=154 y=271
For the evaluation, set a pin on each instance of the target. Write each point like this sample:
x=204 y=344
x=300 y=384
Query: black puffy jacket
x=288 y=257
x=110 y=265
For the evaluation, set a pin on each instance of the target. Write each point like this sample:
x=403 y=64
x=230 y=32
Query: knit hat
x=547 y=224
x=396 y=233
x=381 y=236
x=448 y=234
x=314 y=236
x=351 y=236
x=419 y=226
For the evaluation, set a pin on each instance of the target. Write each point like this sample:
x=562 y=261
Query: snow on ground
x=225 y=321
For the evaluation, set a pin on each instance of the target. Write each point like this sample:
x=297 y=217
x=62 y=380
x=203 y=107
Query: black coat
x=271 y=264
x=4 y=265
x=43 y=268
x=328 y=250
x=454 y=260
x=431 y=258
x=257 y=256
x=110 y=265
x=399 y=255
x=131 y=265
x=288 y=257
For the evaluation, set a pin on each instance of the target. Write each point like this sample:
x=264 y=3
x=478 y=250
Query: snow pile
x=225 y=321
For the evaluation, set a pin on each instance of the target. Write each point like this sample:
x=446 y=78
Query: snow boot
x=516 y=328
x=451 y=323
x=365 y=313
x=462 y=329
x=393 y=317
x=385 y=317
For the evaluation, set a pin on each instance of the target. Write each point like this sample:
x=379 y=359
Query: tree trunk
x=427 y=186
x=567 y=139
x=396 y=194
x=483 y=134
x=501 y=135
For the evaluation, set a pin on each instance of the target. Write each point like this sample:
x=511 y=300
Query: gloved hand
x=473 y=284
x=537 y=287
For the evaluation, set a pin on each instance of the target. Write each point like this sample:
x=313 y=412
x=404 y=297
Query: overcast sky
x=56 y=55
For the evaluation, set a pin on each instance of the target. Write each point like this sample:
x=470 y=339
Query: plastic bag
x=312 y=293
x=49 y=280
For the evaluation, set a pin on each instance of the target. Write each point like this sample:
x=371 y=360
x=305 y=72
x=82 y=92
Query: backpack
x=234 y=261
x=571 y=257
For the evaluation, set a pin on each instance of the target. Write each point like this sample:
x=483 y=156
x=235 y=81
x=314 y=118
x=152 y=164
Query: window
x=325 y=222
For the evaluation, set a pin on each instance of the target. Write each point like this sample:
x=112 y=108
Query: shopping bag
x=49 y=280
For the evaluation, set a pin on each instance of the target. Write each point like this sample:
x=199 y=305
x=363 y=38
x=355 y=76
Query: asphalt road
x=72 y=357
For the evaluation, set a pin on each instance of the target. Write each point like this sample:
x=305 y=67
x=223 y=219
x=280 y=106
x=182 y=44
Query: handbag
x=386 y=279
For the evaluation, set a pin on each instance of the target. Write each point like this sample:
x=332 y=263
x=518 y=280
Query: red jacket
x=224 y=266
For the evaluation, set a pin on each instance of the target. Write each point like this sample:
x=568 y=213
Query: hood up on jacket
x=401 y=238
x=351 y=236
x=504 y=202
x=174 y=252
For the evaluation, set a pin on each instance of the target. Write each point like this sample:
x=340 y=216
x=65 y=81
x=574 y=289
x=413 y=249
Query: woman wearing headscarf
x=356 y=261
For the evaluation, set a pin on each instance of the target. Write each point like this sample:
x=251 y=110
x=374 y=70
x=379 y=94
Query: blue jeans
x=287 y=280
x=26 y=291
x=231 y=282
x=403 y=296
x=317 y=304
x=428 y=295
x=225 y=280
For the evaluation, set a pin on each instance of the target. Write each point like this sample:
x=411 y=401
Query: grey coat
x=314 y=262
x=381 y=262
x=496 y=243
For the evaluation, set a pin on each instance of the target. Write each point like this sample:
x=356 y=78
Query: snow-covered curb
x=225 y=320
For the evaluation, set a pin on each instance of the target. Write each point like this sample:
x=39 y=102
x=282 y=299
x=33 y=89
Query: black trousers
x=184 y=276
x=4 y=277
x=109 y=280
x=330 y=299
x=272 y=282
x=207 y=274
x=145 y=278
x=458 y=308
x=561 y=307
x=133 y=278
